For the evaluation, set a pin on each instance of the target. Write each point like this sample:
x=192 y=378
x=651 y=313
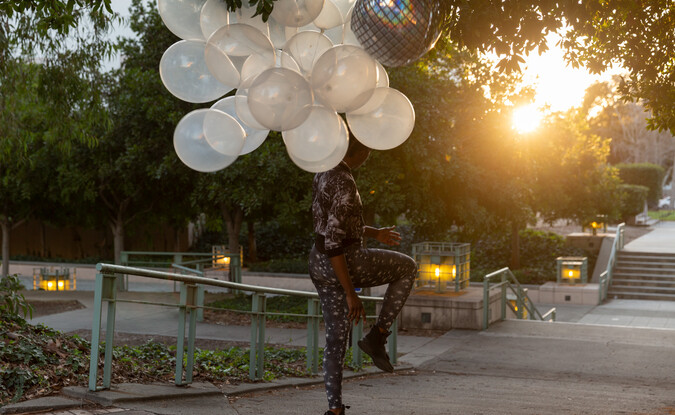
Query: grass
x=665 y=215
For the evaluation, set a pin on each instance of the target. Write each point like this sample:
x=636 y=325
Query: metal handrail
x=523 y=301
x=191 y=304
x=605 y=279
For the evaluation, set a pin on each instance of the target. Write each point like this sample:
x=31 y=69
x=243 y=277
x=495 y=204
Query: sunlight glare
x=526 y=118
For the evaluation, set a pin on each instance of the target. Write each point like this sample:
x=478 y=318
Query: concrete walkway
x=661 y=239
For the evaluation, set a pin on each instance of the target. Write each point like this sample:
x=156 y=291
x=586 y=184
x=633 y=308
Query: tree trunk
x=176 y=242
x=43 y=240
x=233 y=219
x=117 y=228
x=6 y=228
x=252 y=248
x=514 y=264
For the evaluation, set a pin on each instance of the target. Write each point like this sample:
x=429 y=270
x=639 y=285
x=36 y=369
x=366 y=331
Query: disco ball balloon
x=397 y=32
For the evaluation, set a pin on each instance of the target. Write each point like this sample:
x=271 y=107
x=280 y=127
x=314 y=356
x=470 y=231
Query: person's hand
x=356 y=310
x=388 y=236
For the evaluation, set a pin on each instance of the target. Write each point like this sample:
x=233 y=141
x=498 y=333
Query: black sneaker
x=373 y=345
x=341 y=412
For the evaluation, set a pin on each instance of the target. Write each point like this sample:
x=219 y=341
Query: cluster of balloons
x=294 y=73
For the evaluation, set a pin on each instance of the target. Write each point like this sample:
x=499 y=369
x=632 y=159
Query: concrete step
x=642 y=289
x=641 y=296
x=648 y=265
x=643 y=282
x=652 y=255
x=642 y=274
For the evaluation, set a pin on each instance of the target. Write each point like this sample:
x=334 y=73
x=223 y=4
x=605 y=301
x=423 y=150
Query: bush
x=538 y=253
x=290 y=266
x=11 y=301
x=643 y=174
x=632 y=200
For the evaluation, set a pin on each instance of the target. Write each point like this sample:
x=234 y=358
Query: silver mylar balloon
x=397 y=32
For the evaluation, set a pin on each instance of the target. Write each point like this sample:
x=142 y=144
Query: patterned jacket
x=337 y=210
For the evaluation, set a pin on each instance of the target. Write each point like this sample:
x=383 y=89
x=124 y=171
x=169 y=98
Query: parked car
x=664 y=203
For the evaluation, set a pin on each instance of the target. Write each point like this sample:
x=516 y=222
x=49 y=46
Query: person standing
x=338 y=263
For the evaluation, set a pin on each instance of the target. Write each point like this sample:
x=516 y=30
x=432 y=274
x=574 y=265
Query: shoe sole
x=382 y=364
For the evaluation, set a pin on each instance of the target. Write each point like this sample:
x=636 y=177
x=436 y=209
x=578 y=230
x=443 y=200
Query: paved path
x=660 y=239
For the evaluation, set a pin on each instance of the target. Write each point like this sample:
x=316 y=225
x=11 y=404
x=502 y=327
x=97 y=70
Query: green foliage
x=276 y=241
x=283 y=265
x=538 y=251
x=665 y=215
x=633 y=199
x=643 y=174
x=11 y=300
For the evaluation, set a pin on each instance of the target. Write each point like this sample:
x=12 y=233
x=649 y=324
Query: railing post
x=503 y=286
x=200 y=303
x=188 y=300
x=104 y=290
x=393 y=343
x=257 y=352
x=357 y=354
x=486 y=303
x=313 y=335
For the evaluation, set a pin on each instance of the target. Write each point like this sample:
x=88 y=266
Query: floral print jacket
x=337 y=210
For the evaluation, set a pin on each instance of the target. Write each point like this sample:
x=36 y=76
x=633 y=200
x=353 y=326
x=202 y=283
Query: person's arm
x=387 y=236
x=356 y=310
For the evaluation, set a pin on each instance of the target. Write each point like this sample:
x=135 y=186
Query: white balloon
x=385 y=121
x=254 y=138
x=335 y=34
x=332 y=160
x=306 y=48
x=191 y=146
x=344 y=77
x=245 y=15
x=329 y=17
x=296 y=13
x=382 y=76
x=317 y=137
x=345 y=6
x=223 y=133
x=244 y=111
x=230 y=46
x=280 y=33
x=184 y=73
x=280 y=99
x=181 y=17
x=214 y=15
x=349 y=38
x=288 y=62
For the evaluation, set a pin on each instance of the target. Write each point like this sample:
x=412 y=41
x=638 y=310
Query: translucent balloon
x=349 y=37
x=306 y=48
x=181 y=17
x=223 y=133
x=382 y=76
x=255 y=65
x=244 y=15
x=335 y=34
x=317 y=137
x=230 y=46
x=331 y=160
x=280 y=99
x=296 y=13
x=280 y=33
x=345 y=6
x=184 y=73
x=214 y=15
x=344 y=77
x=244 y=111
x=288 y=62
x=254 y=138
x=385 y=122
x=191 y=146
x=329 y=17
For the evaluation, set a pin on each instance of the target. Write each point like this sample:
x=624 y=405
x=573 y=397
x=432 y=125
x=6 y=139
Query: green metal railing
x=605 y=279
x=522 y=305
x=190 y=304
x=199 y=260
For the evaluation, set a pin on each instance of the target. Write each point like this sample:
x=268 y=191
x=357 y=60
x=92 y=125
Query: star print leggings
x=367 y=268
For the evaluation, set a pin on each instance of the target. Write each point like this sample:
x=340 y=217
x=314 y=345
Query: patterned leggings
x=367 y=268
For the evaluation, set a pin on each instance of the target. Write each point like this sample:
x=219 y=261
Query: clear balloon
x=349 y=37
x=331 y=160
x=181 y=17
x=306 y=48
x=382 y=76
x=344 y=77
x=223 y=133
x=230 y=46
x=317 y=137
x=385 y=121
x=288 y=62
x=244 y=15
x=214 y=15
x=296 y=13
x=184 y=73
x=345 y=6
x=243 y=109
x=191 y=146
x=280 y=33
x=329 y=17
x=280 y=99
x=254 y=138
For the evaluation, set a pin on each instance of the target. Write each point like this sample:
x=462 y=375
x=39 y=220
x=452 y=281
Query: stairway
x=644 y=276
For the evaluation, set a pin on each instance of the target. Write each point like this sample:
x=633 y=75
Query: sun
x=526 y=119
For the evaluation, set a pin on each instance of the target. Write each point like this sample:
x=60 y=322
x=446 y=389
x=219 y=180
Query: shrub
x=11 y=301
x=632 y=200
x=643 y=174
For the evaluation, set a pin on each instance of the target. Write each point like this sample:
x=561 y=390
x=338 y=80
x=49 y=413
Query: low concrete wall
x=578 y=294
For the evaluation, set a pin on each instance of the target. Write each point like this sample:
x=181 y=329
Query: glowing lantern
x=442 y=266
x=573 y=270
x=49 y=279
